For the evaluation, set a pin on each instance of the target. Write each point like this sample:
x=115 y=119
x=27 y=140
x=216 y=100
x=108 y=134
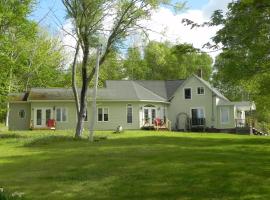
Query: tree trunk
x=74 y=82
x=83 y=100
x=94 y=104
x=9 y=90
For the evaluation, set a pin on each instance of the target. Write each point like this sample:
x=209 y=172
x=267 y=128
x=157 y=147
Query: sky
x=51 y=14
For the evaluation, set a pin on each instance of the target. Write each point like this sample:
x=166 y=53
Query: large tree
x=29 y=57
x=95 y=19
x=244 y=62
x=163 y=60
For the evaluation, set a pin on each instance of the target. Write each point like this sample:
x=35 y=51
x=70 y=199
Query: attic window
x=187 y=93
x=22 y=114
x=200 y=90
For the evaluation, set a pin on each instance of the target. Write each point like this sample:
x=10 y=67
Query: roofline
x=33 y=101
x=155 y=94
x=200 y=79
x=18 y=102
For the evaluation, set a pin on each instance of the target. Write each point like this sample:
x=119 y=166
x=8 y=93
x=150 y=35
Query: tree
x=29 y=57
x=244 y=62
x=88 y=17
x=134 y=66
x=164 y=61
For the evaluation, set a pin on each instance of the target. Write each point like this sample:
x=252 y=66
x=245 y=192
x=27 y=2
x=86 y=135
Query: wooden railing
x=239 y=123
x=197 y=121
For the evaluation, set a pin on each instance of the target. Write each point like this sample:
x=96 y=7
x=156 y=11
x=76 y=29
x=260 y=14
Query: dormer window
x=200 y=90
x=187 y=93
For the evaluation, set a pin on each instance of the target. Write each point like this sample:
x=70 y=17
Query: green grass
x=135 y=165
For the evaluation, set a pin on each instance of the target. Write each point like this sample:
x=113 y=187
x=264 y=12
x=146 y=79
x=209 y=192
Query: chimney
x=200 y=73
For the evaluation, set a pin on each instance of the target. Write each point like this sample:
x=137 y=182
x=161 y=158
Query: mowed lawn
x=135 y=165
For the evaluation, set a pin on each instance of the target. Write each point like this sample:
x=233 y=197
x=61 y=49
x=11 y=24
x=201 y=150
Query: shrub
x=5 y=195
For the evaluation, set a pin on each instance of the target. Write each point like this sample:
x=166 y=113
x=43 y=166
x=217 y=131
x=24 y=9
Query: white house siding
x=181 y=105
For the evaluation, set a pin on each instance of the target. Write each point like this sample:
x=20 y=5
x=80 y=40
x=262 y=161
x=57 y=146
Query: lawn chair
x=51 y=124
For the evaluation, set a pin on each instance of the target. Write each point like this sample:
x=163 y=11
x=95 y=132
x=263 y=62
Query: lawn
x=135 y=165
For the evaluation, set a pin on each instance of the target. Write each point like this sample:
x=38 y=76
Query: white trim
x=24 y=102
x=220 y=115
x=103 y=114
x=184 y=93
x=131 y=106
x=43 y=115
x=203 y=90
x=166 y=102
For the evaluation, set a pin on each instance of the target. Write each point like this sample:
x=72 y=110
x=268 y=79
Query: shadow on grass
x=60 y=139
x=10 y=136
x=152 y=167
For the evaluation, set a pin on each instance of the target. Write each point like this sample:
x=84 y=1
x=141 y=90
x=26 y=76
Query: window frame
x=200 y=88
x=130 y=106
x=24 y=113
x=197 y=108
x=61 y=114
x=103 y=108
x=184 y=91
x=221 y=116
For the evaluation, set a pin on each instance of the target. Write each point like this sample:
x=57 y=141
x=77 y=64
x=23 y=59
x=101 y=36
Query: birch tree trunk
x=94 y=103
x=9 y=90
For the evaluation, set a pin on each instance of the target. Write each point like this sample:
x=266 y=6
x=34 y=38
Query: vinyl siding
x=181 y=105
x=15 y=121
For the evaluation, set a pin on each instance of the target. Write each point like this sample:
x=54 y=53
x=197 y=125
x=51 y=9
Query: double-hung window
x=224 y=115
x=187 y=93
x=129 y=114
x=103 y=114
x=61 y=114
x=200 y=90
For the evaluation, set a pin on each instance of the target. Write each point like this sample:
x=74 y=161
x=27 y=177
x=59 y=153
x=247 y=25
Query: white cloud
x=170 y=25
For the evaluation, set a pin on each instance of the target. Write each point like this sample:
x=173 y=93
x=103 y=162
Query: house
x=179 y=104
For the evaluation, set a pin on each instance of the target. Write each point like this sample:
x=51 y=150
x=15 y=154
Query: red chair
x=157 y=122
x=51 y=124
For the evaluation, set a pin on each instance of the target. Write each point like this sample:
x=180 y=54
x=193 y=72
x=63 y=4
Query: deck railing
x=197 y=121
x=239 y=123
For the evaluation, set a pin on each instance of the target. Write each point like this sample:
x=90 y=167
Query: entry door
x=42 y=115
x=149 y=116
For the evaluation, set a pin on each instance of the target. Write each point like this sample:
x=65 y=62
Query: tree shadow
x=10 y=136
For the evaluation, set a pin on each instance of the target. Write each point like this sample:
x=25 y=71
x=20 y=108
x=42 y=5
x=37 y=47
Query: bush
x=4 y=195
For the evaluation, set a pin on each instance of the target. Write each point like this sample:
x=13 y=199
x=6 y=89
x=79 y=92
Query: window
x=197 y=113
x=129 y=114
x=224 y=115
x=22 y=114
x=200 y=90
x=103 y=114
x=197 y=116
x=187 y=93
x=61 y=114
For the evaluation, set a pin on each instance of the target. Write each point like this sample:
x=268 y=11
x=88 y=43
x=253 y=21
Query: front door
x=149 y=116
x=41 y=117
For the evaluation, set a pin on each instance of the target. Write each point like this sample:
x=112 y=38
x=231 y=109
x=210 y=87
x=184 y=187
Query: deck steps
x=258 y=132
